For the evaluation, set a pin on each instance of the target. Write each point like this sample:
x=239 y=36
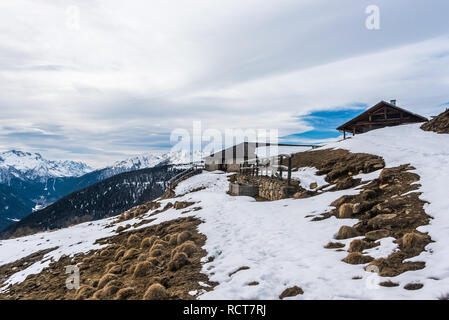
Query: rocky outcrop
x=439 y=124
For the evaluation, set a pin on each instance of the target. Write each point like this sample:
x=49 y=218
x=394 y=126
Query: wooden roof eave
x=346 y=126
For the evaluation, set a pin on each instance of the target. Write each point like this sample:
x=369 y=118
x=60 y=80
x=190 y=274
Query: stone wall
x=243 y=190
x=269 y=188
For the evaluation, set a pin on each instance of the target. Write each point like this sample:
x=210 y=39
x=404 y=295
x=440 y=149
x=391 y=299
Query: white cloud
x=134 y=71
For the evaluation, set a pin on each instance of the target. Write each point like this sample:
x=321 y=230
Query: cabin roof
x=372 y=109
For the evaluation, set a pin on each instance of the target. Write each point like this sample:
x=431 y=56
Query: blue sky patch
x=325 y=123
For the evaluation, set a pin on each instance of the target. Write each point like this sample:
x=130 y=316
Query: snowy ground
x=278 y=241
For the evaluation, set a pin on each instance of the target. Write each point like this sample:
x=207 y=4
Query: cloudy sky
x=101 y=80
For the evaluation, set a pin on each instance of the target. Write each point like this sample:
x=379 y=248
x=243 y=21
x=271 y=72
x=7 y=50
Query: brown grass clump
x=156 y=292
x=173 y=239
x=178 y=261
x=120 y=229
x=111 y=289
x=334 y=245
x=130 y=254
x=125 y=293
x=105 y=279
x=188 y=247
x=414 y=240
x=184 y=236
x=98 y=295
x=239 y=269
x=394 y=265
x=109 y=266
x=157 y=246
x=147 y=242
x=291 y=292
x=389 y=284
x=142 y=269
x=119 y=253
x=347 y=232
x=155 y=253
x=377 y=234
x=161 y=243
x=143 y=257
x=345 y=211
x=115 y=269
x=133 y=241
x=358 y=245
x=84 y=292
x=357 y=258
x=153 y=261
x=413 y=286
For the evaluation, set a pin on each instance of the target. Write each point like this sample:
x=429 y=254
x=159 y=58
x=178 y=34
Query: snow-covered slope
x=31 y=166
x=278 y=241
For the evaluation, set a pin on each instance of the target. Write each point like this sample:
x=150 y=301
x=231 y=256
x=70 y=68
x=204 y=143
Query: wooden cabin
x=383 y=114
x=231 y=158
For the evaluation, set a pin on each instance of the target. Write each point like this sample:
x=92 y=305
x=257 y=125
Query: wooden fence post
x=281 y=158
x=257 y=168
x=289 y=177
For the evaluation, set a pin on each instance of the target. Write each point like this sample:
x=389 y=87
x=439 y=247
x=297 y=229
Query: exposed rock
x=344 y=199
x=439 y=124
x=377 y=234
x=382 y=220
x=345 y=211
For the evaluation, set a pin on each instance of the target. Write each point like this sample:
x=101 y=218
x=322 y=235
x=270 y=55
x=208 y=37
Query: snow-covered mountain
x=30 y=183
x=151 y=160
x=32 y=166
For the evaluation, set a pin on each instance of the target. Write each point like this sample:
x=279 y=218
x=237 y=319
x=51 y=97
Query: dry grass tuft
x=156 y=292
x=130 y=254
x=147 y=242
x=133 y=241
x=357 y=258
x=173 y=239
x=334 y=245
x=84 y=292
x=291 y=292
x=105 y=279
x=118 y=254
x=142 y=269
x=188 y=247
x=155 y=253
x=178 y=261
x=184 y=236
x=347 y=232
x=358 y=245
x=125 y=293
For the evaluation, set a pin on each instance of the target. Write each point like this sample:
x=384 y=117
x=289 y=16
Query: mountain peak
x=26 y=165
